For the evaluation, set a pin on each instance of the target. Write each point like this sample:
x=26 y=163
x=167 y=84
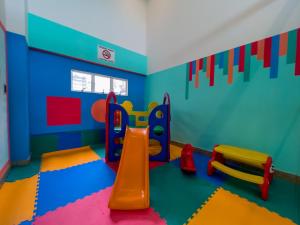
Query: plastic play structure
x=187 y=163
x=131 y=146
x=244 y=156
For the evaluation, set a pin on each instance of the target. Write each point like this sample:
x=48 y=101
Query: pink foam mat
x=93 y=210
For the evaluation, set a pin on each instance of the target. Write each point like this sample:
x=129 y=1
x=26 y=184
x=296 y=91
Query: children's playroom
x=149 y=112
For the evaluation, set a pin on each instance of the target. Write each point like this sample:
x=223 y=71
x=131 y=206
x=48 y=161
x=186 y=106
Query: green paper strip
x=247 y=62
x=291 y=51
x=204 y=64
x=225 y=63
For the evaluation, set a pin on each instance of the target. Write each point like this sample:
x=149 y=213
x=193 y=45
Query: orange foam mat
x=175 y=152
x=67 y=158
x=225 y=208
x=17 y=200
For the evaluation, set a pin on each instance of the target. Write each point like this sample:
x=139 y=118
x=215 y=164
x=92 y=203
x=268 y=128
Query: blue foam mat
x=201 y=166
x=58 y=188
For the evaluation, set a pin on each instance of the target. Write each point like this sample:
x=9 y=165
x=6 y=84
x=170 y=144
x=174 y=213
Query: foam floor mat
x=17 y=200
x=93 y=210
x=229 y=209
x=58 y=188
x=67 y=158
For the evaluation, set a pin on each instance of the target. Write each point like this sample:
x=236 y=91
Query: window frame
x=93 y=75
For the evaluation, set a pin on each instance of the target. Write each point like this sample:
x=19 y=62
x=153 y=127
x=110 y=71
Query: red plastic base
x=187 y=163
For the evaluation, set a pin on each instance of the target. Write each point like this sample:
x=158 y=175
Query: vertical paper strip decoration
x=225 y=63
x=242 y=59
x=254 y=48
x=204 y=64
x=197 y=74
x=274 y=56
x=190 y=71
x=283 y=43
x=208 y=66
x=291 y=54
x=200 y=64
x=247 y=62
x=297 y=65
x=230 y=65
x=221 y=60
x=217 y=56
x=260 y=49
x=267 y=52
x=236 y=56
x=212 y=71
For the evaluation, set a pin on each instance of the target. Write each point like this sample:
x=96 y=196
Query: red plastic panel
x=63 y=111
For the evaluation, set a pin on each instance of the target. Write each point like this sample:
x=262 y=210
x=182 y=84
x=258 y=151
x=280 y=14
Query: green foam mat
x=21 y=172
x=283 y=199
x=175 y=195
x=99 y=149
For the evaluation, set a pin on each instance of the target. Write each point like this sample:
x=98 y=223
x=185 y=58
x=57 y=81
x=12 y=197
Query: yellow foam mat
x=67 y=158
x=17 y=200
x=225 y=208
x=175 y=152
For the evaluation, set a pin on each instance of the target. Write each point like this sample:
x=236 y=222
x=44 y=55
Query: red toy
x=187 y=163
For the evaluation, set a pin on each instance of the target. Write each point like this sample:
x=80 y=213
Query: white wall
x=179 y=31
x=2 y=11
x=121 y=22
x=16 y=16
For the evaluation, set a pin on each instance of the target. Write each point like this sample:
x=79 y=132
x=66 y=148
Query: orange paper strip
x=283 y=44
x=260 y=49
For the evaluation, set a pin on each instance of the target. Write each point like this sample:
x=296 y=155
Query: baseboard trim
x=277 y=173
x=21 y=162
x=4 y=171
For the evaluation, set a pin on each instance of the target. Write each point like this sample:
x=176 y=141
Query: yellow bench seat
x=238 y=174
x=249 y=157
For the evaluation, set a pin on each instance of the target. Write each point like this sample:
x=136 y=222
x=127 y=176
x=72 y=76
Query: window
x=96 y=83
x=102 y=84
x=81 y=81
x=120 y=86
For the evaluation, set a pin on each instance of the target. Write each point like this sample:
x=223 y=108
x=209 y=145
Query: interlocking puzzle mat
x=17 y=200
x=201 y=162
x=58 y=188
x=93 y=210
x=176 y=195
x=67 y=158
x=284 y=196
x=22 y=172
x=229 y=209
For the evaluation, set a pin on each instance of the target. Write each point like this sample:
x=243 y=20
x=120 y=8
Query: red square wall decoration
x=63 y=111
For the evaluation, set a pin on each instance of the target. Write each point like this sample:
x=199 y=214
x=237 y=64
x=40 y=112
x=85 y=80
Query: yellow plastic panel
x=225 y=208
x=131 y=187
x=238 y=174
x=242 y=155
x=17 y=200
x=67 y=158
x=175 y=152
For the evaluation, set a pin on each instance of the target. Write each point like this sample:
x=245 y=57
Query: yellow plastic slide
x=131 y=187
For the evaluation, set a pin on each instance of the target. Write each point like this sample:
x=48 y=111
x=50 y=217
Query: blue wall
x=50 y=75
x=18 y=81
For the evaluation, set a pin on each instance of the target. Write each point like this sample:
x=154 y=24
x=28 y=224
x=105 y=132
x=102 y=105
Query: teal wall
x=262 y=114
x=50 y=36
